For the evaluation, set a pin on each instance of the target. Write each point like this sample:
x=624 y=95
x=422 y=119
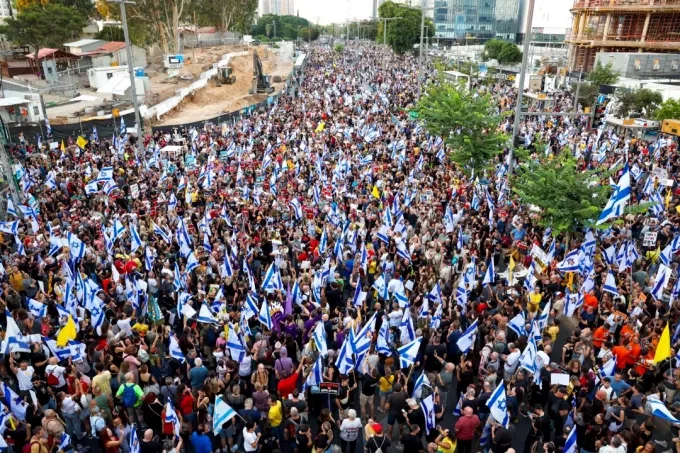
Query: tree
x=641 y=100
x=503 y=51
x=232 y=15
x=40 y=26
x=603 y=74
x=669 y=110
x=111 y=33
x=161 y=18
x=84 y=7
x=467 y=121
x=569 y=199
x=406 y=34
x=588 y=93
x=286 y=26
x=309 y=34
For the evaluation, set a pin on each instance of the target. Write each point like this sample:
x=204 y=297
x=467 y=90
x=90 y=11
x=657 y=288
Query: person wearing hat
x=378 y=442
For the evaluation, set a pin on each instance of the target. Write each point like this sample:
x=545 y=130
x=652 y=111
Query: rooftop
x=82 y=42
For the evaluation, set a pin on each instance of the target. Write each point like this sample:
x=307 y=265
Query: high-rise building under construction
x=621 y=26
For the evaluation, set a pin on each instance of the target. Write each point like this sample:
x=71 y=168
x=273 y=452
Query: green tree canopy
x=286 y=26
x=39 y=26
x=84 y=7
x=588 y=93
x=468 y=123
x=568 y=198
x=111 y=33
x=503 y=51
x=309 y=33
x=406 y=32
x=669 y=110
x=603 y=74
x=641 y=100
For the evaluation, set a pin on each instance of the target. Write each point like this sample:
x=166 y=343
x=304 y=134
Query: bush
x=339 y=48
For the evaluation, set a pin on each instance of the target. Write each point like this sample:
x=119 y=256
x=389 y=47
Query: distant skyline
x=338 y=11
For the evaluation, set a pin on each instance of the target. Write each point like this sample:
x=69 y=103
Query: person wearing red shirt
x=600 y=335
x=622 y=353
x=286 y=386
x=465 y=430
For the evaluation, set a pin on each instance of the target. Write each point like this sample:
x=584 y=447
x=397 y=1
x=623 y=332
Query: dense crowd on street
x=320 y=277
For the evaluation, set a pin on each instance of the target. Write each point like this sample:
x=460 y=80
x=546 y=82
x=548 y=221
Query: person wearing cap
x=377 y=440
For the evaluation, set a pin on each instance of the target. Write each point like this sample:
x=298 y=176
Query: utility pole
x=131 y=72
x=420 y=48
x=578 y=91
x=520 y=91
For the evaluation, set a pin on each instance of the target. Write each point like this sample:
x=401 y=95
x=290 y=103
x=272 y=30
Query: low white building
x=83 y=46
x=114 y=53
x=20 y=103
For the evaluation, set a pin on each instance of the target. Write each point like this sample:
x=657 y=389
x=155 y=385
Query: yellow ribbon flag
x=375 y=192
x=669 y=195
x=63 y=148
x=81 y=142
x=663 y=349
x=68 y=332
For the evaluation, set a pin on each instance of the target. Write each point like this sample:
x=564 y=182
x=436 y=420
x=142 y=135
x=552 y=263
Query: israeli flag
x=323 y=242
x=118 y=230
x=610 y=284
x=420 y=383
x=498 y=405
x=105 y=174
x=608 y=369
x=408 y=333
x=383 y=344
x=427 y=405
x=467 y=339
x=490 y=275
x=359 y=296
x=205 y=315
x=10 y=207
x=171 y=417
x=65 y=441
x=10 y=227
x=297 y=208
x=192 y=262
x=316 y=376
x=319 y=338
x=436 y=321
x=134 y=440
x=344 y=361
x=123 y=129
x=435 y=294
x=409 y=353
x=264 y=316
x=226 y=270
x=135 y=240
x=36 y=308
x=571 y=445
x=517 y=324
x=236 y=348
x=570 y=263
x=175 y=350
x=660 y=410
x=17 y=405
x=159 y=231
x=663 y=276
x=619 y=198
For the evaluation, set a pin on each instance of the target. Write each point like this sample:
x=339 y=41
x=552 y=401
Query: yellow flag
x=375 y=192
x=81 y=142
x=663 y=349
x=669 y=195
x=511 y=264
x=68 y=332
x=63 y=148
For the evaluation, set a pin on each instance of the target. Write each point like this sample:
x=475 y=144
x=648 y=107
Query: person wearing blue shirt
x=198 y=374
x=619 y=385
x=201 y=441
x=518 y=234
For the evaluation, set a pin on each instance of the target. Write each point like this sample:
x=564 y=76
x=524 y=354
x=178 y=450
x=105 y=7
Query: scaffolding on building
x=621 y=26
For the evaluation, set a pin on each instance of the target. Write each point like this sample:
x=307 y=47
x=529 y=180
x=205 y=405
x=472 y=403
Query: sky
x=334 y=11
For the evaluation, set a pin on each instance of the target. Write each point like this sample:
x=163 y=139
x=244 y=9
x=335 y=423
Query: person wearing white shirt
x=250 y=437
x=56 y=371
x=511 y=362
x=395 y=315
x=24 y=374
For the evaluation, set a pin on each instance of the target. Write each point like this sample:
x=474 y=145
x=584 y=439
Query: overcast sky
x=334 y=11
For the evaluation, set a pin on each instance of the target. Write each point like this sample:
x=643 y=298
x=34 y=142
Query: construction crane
x=261 y=82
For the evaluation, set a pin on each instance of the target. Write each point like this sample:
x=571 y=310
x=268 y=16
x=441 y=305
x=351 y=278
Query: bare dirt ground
x=212 y=100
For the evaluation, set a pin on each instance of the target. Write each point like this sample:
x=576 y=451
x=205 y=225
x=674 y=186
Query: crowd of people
x=313 y=274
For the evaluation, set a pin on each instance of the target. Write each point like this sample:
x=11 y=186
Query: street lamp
x=128 y=51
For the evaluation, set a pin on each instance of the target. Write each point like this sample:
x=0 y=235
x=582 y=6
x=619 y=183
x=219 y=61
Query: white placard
x=559 y=379
x=650 y=239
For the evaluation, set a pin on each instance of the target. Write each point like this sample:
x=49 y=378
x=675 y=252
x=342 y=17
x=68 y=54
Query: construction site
x=206 y=90
x=621 y=26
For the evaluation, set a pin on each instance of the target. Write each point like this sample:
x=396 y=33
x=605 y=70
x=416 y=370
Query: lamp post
x=128 y=51
x=520 y=90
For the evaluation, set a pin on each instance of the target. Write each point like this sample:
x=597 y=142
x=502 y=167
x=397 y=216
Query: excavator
x=225 y=76
x=261 y=83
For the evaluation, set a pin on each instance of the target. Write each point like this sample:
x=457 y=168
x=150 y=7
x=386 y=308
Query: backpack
x=52 y=379
x=129 y=397
x=379 y=449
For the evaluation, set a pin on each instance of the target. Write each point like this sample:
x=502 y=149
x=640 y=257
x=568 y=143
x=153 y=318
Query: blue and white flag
x=619 y=198
x=467 y=339
x=571 y=445
x=570 y=263
x=192 y=262
x=134 y=440
x=517 y=324
x=660 y=410
x=498 y=405
x=421 y=382
x=316 y=376
x=264 y=316
x=319 y=338
x=383 y=343
x=663 y=276
x=490 y=275
x=610 y=284
x=17 y=406
x=608 y=369
x=427 y=405
x=409 y=353
x=435 y=294
x=175 y=350
x=10 y=207
x=408 y=332
x=171 y=417
x=159 y=231
x=359 y=296
x=205 y=315
x=36 y=308
x=135 y=240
